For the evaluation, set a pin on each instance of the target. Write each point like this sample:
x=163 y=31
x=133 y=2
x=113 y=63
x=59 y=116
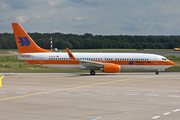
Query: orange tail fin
x=24 y=42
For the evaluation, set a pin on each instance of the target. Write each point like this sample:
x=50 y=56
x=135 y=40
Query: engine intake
x=112 y=68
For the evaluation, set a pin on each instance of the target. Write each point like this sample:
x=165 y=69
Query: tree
x=4 y=43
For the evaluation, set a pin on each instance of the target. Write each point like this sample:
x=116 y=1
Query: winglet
x=1 y=81
x=70 y=54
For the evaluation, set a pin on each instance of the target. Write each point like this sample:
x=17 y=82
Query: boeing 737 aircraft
x=30 y=52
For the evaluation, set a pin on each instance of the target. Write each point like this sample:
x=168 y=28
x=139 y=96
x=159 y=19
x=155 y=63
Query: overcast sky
x=99 y=17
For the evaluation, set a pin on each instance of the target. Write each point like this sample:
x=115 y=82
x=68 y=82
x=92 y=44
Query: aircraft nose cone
x=171 y=63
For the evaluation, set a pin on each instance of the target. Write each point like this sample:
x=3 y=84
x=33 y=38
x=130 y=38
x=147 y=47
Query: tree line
x=89 y=41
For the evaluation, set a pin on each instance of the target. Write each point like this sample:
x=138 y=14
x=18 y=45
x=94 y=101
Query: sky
x=98 y=17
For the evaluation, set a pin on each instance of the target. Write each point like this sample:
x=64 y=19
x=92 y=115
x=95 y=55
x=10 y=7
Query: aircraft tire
x=157 y=72
x=92 y=72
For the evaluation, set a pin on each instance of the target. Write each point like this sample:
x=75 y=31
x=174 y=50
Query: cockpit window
x=164 y=59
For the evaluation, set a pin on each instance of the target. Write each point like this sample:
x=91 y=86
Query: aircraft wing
x=91 y=63
x=95 y=64
x=87 y=63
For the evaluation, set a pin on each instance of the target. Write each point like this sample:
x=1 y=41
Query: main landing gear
x=92 y=72
x=157 y=72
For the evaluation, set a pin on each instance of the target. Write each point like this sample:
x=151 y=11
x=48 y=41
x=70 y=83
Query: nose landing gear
x=157 y=72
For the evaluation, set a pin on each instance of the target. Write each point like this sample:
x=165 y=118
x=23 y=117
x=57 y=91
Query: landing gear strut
x=157 y=72
x=92 y=72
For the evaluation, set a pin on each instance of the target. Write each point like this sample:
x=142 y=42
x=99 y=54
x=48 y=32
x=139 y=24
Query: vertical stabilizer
x=24 y=42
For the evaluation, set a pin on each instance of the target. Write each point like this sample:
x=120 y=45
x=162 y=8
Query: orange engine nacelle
x=112 y=68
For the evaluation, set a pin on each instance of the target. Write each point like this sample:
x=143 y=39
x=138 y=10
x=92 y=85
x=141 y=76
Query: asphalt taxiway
x=80 y=96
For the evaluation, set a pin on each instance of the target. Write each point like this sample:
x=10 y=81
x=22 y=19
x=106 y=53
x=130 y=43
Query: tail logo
x=24 y=41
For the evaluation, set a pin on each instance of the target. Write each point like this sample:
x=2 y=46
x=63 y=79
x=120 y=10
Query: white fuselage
x=127 y=61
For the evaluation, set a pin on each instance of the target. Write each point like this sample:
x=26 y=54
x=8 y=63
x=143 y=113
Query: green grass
x=97 y=50
x=113 y=50
x=6 y=51
x=173 y=69
x=10 y=63
x=173 y=58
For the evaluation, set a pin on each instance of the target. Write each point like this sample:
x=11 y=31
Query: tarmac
x=80 y=96
x=172 y=53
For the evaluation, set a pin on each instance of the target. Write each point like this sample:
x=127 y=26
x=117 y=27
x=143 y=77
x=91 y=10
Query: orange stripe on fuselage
x=73 y=62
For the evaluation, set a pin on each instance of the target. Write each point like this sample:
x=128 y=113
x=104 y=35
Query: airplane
x=30 y=52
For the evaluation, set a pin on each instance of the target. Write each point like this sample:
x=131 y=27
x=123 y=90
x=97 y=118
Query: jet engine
x=112 y=68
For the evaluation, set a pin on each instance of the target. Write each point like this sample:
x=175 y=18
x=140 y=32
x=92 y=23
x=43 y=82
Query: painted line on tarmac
x=103 y=83
x=155 y=117
x=173 y=96
x=85 y=93
x=108 y=93
x=131 y=94
x=63 y=93
x=123 y=90
x=21 y=92
x=96 y=118
x=152 y=95
x=2 y=92
x=167 y=113
x=176 y=110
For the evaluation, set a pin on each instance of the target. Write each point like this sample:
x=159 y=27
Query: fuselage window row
x=118 y=59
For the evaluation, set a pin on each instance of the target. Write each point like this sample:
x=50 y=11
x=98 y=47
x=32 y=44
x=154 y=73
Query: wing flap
x=91 y=63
